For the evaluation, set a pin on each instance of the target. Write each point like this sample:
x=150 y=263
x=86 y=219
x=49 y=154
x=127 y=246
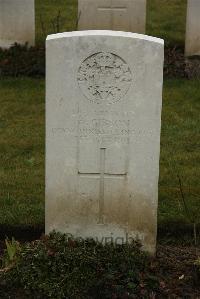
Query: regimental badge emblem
x=104 y=78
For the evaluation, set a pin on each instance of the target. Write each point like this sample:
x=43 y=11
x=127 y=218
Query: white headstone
x=192 y=42
x=122 y=15
x=17 y=22
x=103 y=118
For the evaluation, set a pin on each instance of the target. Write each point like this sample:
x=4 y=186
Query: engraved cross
x=112 y=8
x=101 y=175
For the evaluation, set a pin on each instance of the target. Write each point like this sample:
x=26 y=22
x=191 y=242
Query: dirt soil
x=174 y=265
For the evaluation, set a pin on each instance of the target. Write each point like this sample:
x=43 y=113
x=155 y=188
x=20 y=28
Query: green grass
x=165 y=18
x=46 y=13
x=180 y=144
x=22 y=151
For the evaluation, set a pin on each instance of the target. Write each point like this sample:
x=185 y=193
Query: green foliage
x=21 y=60
x=197 y=271
x=59 y=266
x=11 y=253
x=197 y=262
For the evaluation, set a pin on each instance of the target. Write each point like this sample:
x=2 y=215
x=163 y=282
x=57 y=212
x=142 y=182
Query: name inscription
x=103 y=127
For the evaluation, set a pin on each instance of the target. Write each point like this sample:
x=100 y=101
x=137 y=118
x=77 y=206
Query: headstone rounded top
x=106 y=33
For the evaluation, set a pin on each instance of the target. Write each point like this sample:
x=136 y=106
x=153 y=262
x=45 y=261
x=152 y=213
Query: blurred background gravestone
x=192 y=41
x=121 y=15
x=17 y=22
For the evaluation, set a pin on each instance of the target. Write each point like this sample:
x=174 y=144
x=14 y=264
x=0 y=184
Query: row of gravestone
x=17 y=20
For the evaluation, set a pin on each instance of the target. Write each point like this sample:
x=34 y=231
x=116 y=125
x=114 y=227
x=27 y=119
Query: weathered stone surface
x=121 y=15
x=17 y=22
x=192 y=41
x=103 y=117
